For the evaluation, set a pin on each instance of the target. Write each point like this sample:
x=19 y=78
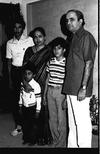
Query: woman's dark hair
x=79 y=15
x=40 y=29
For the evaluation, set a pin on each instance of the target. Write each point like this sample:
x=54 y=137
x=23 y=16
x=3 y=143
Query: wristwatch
x=84 y=87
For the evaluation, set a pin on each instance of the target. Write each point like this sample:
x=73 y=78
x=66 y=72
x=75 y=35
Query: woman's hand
x=44 y=99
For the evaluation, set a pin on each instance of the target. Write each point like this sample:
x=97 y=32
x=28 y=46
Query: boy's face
x=28 y=75
x=58 y=51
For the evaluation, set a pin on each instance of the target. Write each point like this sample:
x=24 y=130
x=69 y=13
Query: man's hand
x=64 y=104
x=81 y=94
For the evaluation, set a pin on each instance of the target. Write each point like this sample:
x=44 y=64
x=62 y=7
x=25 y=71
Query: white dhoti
x=80 y=127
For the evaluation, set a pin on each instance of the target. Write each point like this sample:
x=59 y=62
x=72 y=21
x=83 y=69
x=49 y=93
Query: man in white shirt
x=15 y=50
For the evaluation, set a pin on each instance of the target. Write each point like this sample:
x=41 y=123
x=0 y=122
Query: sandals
x=16 y=132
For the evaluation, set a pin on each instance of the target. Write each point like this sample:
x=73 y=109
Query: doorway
x=7 y=15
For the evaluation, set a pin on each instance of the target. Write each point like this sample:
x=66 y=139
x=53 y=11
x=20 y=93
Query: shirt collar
x=21 y=38
x=31 y=81
x=60 y=60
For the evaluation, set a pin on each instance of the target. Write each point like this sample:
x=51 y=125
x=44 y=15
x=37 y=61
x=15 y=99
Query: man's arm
x=9 y=61
x=87 y=71
x=86 y=75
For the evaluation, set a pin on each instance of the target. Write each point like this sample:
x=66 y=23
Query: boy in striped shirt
x=53 y=88
x=30 y=104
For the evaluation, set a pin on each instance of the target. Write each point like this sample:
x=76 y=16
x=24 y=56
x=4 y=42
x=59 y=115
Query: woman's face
x=39 y=38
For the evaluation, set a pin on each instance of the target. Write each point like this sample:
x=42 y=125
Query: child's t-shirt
x=57 y=71
x=33 y=97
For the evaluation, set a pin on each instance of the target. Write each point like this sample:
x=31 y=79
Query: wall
x=11 y=1
x=48 y=13
x=24 y=10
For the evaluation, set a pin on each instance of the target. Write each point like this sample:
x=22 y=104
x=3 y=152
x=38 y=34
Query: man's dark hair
x=40 y=29
x=79 y=15
x=19 y=20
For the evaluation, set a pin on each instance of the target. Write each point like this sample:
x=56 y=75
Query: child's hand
x=37 y=114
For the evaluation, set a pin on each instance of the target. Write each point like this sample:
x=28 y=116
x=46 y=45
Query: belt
x=16 y=67
x=56 y=86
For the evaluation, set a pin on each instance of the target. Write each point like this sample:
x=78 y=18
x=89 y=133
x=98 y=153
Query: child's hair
x=40 y=29
x=28 y=66
x=59 y=41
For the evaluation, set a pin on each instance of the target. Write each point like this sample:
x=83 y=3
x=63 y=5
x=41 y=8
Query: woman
x=38 y=56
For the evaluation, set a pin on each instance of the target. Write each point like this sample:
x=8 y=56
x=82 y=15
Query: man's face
x=18 y=30
x=72 y=22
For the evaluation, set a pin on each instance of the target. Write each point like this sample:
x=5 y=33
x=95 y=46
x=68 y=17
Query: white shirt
x=15 y=49
x=32 y=98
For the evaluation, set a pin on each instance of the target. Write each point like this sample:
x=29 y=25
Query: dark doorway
x=8 y=12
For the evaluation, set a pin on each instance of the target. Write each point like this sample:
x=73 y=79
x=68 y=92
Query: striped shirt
x=57 y=71
x=31 y=98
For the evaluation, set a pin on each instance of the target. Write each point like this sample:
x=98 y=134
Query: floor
x=7 y=141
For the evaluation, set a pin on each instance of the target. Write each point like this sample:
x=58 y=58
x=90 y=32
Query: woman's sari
x=38 y=60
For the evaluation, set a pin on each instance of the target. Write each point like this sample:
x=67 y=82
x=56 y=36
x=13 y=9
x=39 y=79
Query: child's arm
x=38 y=99
x=21 y=93
x=45 y=90
x=20 y=102
x=27 y=87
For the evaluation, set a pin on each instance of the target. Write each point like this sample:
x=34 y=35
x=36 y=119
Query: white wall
x=24 y=10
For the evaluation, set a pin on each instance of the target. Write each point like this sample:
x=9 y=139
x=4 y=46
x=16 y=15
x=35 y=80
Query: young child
x=55 y=99
x=30 y=104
